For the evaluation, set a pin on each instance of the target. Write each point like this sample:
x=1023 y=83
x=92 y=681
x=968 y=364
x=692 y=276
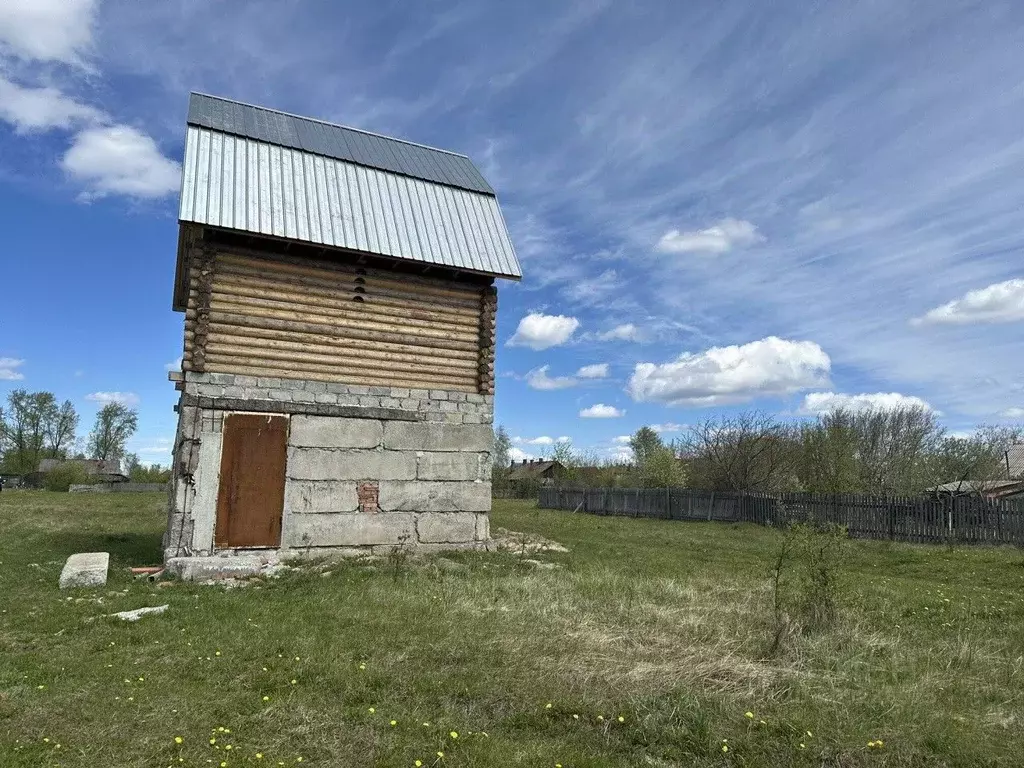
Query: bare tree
x=749 y=452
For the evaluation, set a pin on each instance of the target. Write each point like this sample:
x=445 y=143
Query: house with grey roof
x=339 y=301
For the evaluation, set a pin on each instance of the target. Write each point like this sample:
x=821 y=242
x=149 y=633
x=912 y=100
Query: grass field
x=643 y=647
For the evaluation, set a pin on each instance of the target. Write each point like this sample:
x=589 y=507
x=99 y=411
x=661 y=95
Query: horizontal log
x=291 y=290
x=386 y=288
x=223 y=306
x=313 y=341
x=342 y=306
x=216 y=350
x=361 y=375
x=439 y=290
x=249 y=321
x=326 y=262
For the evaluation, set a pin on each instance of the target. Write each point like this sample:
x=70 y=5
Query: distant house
x=101 y=470
x=994 y=490
x=1013 y=461
x=538 y=472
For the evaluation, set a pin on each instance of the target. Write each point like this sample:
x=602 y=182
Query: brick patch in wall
x=368 y=496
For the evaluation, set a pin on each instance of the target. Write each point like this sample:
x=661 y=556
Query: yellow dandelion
x=40 y=687
x=298 y=659
x=394 y=723
x=228 y=746
x=548 y=705
x=454 y=734
x=440 y=754
x=600 y=718
x=362 y=666
x=259 y=755
x=295 y=682
x=46 y=740
x=216 y=653
x=622 y=719
x=879 y=743
x=223 y=764
x=266 y=698
x=213 y=741
x=418 y=763
x=725 y=747
x=298 y=759
x=220 y=729
x=178 y=739
x=748 y=715
x=372 y=710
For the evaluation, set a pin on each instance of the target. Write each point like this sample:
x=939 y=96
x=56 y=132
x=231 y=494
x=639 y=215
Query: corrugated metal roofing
x=239 y=183
x=337 y=141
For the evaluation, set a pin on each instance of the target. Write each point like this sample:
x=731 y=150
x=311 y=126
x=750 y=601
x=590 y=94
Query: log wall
x=291 y=318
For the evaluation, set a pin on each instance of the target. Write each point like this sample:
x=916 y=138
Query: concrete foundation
x=368 y=468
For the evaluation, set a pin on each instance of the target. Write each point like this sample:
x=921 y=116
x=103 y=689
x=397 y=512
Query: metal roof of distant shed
x=257 y=170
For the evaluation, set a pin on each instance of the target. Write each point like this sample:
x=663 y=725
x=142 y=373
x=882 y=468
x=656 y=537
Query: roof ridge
x=327 y=122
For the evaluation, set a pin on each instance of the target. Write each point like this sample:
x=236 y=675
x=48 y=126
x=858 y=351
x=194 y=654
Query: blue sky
x=717 y=205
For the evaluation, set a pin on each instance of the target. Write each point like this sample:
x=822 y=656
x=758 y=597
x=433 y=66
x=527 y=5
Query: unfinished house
x=337 y=382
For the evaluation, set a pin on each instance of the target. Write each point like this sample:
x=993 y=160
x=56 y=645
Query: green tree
x=34 y=427
x=115 y=424
x=645 y=443
x=502 y=454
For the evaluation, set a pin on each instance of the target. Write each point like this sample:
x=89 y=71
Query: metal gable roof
x=336 y=141
x=249 y=175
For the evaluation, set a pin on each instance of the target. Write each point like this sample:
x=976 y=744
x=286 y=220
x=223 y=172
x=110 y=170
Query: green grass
x=664 y=624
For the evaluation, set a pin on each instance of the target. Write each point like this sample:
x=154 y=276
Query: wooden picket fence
x=967 y=519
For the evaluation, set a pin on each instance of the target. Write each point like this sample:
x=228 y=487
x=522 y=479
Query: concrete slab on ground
x=85 y=569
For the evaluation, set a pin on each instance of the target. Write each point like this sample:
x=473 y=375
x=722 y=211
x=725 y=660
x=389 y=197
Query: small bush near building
x=63 y=476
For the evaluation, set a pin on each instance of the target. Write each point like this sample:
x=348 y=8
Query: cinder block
x=265 y=382
x=234 y=391
x=438 y=394
x=338 y=389
x=446 y=527
x=358 y=389
x=281 y=394
x=446 y=406
x=225 y=379
x=453 y=418
x=425 y=436
x=390 y=402
x=354 y=530
x=315 y=386
x=370 y=401
x=319 y=496
x=448 y=466
x=246 y=381
x=430 y=496
x=419 y=394
x=399 y=392
x=334 y=432
x=302 y=396
x=321 y=464
x=327 y=397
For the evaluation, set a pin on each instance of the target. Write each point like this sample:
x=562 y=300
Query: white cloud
x=595 y=371
x=47 y=30
x=601 y=411
x=103 y=398
x=1009 y=413
x=624 y=332
x=668 y=427
x=156 y=446
x=540 y=331
x=997 y=303
x=119 y=159
x=722 y=237
x=821 y=402
x=36 y=109
x=538 y=379
x=563 y=439
x=770 y=366
x=591 y=290
x=7 y=369
x=174 y=365
x=517 y=455
x=622 y=439
x=542 y=440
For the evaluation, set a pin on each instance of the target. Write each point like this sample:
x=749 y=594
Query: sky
x=717 y=205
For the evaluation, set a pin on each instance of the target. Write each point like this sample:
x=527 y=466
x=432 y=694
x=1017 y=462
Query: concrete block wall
x=368 y=468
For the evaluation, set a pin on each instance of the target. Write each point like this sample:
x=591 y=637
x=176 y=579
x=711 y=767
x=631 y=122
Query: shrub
x=61 y=477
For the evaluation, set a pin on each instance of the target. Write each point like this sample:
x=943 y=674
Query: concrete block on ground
x=138 y=613
x=352 y=530
x=320 y=464
x=430 y=436
x=334 y=432
x=435 y=496
x=86 y=569
x=320 y=496
x=448 y=466
x=446 y=527
x=215 y=568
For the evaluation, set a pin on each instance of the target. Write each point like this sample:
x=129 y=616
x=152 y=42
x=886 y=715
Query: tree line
x=883 y=451
x=36 y=426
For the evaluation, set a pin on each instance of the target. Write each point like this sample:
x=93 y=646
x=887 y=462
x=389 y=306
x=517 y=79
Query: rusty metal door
x=250 y=500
